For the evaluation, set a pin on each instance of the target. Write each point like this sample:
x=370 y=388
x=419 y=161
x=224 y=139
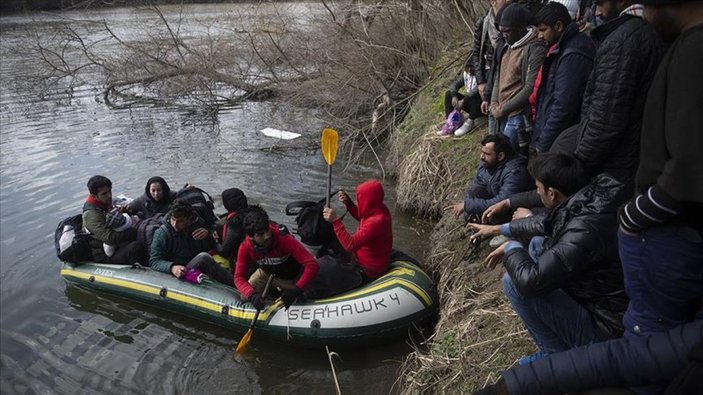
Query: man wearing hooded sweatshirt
x=372 y=243
x=520 y=60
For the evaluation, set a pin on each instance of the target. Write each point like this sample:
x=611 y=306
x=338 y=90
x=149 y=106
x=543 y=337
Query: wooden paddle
x=247 y=336
x=330 y=140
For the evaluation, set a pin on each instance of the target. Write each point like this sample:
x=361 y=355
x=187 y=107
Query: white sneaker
x=465 y=128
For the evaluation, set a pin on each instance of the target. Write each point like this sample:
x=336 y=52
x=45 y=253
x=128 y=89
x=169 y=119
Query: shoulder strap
x=293 y=208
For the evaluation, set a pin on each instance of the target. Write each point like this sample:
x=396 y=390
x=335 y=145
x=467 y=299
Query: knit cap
x=515 y=15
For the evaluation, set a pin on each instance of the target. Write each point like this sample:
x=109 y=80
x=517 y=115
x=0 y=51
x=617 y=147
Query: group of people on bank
x=165 y=230
x=591 y=184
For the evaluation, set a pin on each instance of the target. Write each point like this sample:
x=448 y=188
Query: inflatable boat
x=382 y=310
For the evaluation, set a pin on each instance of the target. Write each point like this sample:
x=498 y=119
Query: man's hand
x=178 y=270
x=455 y=101
x=484 y=107
x=522 y=212
x=494 y=258
x=481 y=89
x=457 y=209
x=343 y=196
x=256 y=300
x=496 y=110
x=494 y=209
x=200 y=234
x=290 y=295
x=329 y=214
x=483 y=230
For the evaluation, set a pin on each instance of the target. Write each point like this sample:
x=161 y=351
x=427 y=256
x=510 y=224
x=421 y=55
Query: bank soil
x=478 y=334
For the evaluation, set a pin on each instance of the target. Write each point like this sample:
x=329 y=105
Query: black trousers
x=134 y=252
x=471 y=104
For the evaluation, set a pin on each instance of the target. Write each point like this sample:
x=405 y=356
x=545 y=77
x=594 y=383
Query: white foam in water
x=279 y=134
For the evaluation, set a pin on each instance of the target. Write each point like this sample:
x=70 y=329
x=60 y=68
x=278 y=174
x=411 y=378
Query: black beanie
x=233 y=199
x=515 y=15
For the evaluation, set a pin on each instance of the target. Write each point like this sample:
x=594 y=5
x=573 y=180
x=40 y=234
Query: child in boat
x=119 y=222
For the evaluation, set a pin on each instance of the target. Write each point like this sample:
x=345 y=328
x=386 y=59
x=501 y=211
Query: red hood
x=369 y=197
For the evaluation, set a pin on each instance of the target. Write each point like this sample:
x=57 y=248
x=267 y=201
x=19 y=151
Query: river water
x=56 y=338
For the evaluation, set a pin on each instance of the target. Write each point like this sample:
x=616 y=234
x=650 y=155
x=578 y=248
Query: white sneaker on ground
x=497 y=241
x=465 y=128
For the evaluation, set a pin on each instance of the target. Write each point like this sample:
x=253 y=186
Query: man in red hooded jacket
x=372 y=243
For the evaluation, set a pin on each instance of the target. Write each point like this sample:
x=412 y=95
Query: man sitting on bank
x=274 y=253
x=568 y=287
x=181 y=245
x=501 y=174
x=95 y=210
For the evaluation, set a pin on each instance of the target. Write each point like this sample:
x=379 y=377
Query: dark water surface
x=56 y=338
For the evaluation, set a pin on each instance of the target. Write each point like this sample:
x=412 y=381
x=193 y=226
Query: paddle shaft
x=329 y=185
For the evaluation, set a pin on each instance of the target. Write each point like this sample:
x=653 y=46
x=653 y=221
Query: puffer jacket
x=580 y=254
x=95 y=222
x=145 y=206
x=503 y=180
x=169 y=247
x=628 y=54
x=564 y=75
x=622 y=362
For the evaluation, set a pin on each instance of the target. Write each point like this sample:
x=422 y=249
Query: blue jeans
x=536 y=247
x=555 y=321
x=511 y=126
x=663 y=269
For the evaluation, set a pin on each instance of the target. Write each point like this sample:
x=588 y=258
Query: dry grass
x=478 y=334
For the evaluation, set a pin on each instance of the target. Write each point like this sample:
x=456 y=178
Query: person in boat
x=181 y=246
x=273 y=252
x=95 y=211
x=502 y=173
x=231 y=233
x=372 y=243
x=567 y=287
x=157 y=198
x=119 y=222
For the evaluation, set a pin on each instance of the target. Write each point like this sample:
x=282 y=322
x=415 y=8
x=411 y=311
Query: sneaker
x=194 y=276
x=528 y=359
x=465 y=128
x=444 y=133
x=497 y=241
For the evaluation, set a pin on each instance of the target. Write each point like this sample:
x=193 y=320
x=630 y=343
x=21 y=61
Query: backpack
x=202 y=203
x=311 y=227
x=72 y=243
x=146 y=229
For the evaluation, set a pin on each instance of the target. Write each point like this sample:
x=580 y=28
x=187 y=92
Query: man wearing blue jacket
x=563 y=76
x=502 y=173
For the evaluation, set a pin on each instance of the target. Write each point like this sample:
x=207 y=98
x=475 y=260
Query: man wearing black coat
x=629 y=51
x=567 y=287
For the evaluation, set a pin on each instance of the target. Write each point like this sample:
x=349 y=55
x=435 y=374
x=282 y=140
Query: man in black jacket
x=661 y=228
x=629 y=51
x=568 y=288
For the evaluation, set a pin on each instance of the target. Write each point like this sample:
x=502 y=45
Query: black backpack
x=76 y=243
x=311 y=227
x=202 y=203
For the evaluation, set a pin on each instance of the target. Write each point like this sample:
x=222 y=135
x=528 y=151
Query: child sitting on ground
x=455 y=102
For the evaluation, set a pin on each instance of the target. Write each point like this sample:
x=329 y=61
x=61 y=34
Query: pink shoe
x=194 y=276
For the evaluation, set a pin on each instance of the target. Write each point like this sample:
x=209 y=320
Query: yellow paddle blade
x=244 y=342
x=330 y=139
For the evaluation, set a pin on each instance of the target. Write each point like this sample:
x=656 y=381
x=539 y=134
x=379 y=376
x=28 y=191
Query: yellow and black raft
x=377 y=312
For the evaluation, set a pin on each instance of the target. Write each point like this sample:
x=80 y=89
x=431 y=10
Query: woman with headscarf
x=156 y=199
x=232 y=233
